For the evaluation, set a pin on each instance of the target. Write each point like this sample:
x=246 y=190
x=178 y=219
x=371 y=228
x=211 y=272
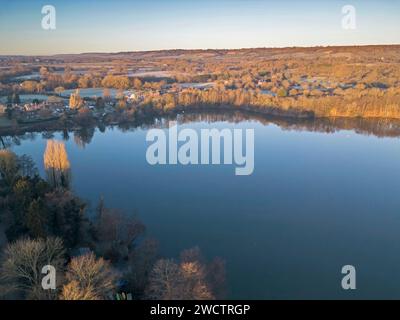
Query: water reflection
x=83 y=136
x=376 y=127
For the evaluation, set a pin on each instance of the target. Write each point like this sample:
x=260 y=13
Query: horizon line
x=199 y=49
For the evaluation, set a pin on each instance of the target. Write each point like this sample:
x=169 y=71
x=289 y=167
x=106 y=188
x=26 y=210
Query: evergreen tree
x=36 y=219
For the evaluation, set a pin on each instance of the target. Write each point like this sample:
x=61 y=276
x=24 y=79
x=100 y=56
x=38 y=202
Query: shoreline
x=377 y=126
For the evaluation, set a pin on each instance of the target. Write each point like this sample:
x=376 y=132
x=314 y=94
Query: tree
x=65 y=216
x=118 y=82
x=106 y=94
x=36 y=219
x=121 y=105
x=140 y=264
x=90 y=276
x=73 y=291
x=75 y=100
x=137 y=84
x=216 y=276
x=43 y=71
x=24 y=259
x=22 y=191
x=84 y=82
x=26 y=166
x=20 y=218
x=59 y=90
x=189 y=279
x=165 y=281
x=282 y=92
x=15 y=98
x=8 y=167
x=195 y=286
x=116 y=233
x=172 y=281
x=100 y=103
x=57 y=164
x=30 y=86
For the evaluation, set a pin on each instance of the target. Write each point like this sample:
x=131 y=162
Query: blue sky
x=129 y=25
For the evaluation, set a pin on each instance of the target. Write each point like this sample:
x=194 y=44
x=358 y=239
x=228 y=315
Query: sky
x=130 y=25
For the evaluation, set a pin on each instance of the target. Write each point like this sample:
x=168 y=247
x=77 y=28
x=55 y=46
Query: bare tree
x=172 y=281
x=116 y=233
x=165 y=281
x=74 y=291
x=23 y=263
x=195 y=286
x=140 y=264
x=216 y=277
x=93 y=275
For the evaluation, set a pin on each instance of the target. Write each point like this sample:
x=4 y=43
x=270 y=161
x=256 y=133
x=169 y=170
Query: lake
x=89 y=92
x=25 y=98
x=322 y=195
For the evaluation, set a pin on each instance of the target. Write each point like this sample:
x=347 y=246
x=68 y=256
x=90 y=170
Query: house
x=32 y=107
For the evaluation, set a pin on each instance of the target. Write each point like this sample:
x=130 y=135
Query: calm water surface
x=315 y=202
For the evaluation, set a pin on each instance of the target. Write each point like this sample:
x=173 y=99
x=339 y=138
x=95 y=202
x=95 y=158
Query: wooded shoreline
x=380 y=127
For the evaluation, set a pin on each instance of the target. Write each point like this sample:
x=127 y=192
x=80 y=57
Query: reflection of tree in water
x=8 y=141
x=2 y=142
x=83 y=137
x=65 y=135
x=48 y=135
x=56 y=163
x=102 y=128
x=365 y=126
